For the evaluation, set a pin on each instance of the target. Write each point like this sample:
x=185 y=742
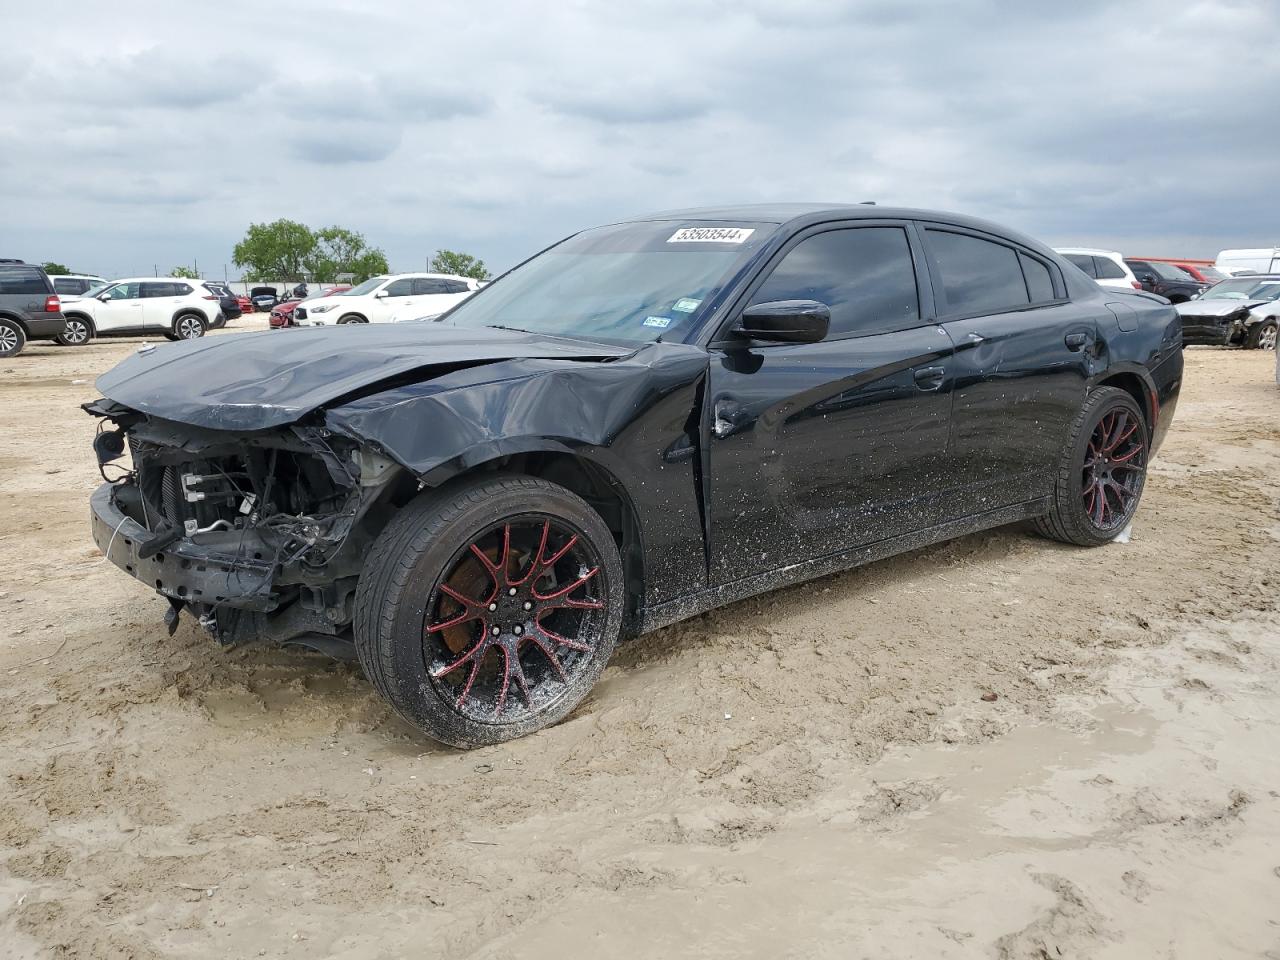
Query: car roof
x=75 y=276
x=800 y=215
x=1091 y=251
x=157 y=280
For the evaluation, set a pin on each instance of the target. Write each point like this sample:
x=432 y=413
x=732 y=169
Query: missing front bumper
x=182 y=571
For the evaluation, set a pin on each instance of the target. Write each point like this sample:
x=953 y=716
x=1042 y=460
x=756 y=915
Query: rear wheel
x=12 y=338
x=189 y=326
x=489 y=612
x=79 y=331
x=1263 y=335
x=1101 y=478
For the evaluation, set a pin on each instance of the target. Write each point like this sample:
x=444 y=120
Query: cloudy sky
x=139 y=134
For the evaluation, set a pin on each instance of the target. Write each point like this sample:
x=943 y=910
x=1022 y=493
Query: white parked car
x=1261 y=261
x=72 y=285
x=176 y=308
x=404 y=296
x=1105 y=266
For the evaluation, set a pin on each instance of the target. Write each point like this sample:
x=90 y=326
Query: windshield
x=1241 y=288
x=1168 y=271
x=96 y=289
x=370 y=285
x=629 y=282
x=1212 y=274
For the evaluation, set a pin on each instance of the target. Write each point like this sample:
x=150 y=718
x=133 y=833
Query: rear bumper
x=183 y=570
x=46 y=328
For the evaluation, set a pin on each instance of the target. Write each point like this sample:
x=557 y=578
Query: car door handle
x=929 y=378
x=1076 y=341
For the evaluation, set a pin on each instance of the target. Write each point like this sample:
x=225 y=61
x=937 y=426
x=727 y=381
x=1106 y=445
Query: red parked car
x=246 y=305
x=282 y=315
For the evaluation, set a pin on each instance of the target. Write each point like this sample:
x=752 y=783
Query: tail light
x=1136 y=284
x=209 y=296
x=52 y=304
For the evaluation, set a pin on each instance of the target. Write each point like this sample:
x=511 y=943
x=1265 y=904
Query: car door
x=1024 y=354
x=160 y=301
x=391 y=299
x=815 y=448
x=120 y=308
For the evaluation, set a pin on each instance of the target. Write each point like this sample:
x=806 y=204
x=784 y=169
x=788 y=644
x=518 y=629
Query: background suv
x=381 y=299
x=73 y=284
x=1106 y=266
x=29 y=307
x=1165 y=279
x=180 y=309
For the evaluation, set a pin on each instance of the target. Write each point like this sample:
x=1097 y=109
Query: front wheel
x=77 y=333
x=1101 y=477
x=1263 y=335
x=489 y=611
x=352 y=318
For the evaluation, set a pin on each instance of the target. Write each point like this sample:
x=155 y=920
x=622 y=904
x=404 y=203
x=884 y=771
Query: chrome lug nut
x=493 y=607
x=517 y=630
x=528 y=605
x=496 y=630
x=511 y=592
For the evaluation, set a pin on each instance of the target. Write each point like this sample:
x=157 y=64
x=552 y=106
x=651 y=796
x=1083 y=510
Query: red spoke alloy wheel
x=1114 y=463
x=514 y=618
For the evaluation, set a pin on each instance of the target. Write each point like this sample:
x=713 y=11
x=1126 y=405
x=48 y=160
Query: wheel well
x=15 y=320
x=1132 y=384
x=353 y=313
x=593 y=484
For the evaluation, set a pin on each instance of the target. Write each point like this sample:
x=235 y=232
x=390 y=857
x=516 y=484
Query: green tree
x=56 y=268
x=185 y=273
x=460 y=264
x=340 y=251
x=275 y=251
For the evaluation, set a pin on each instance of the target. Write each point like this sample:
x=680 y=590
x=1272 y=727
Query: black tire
x=12 y=337
x=1262 y=336
x=1085 y=469
x=402 y=589
x=352 y=318
x=189 y=326
x=79 y=331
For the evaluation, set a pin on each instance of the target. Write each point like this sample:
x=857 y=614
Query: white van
x=1261 y=260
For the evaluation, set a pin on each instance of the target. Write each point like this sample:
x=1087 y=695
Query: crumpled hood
x=1214 y=308
x=258 y=381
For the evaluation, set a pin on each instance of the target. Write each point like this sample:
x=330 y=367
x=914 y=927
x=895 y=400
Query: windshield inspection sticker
x=711 y=235
x=657 y=321
x=685 y=305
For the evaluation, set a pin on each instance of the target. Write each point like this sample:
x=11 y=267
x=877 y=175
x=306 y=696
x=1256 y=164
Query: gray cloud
x=152 y=134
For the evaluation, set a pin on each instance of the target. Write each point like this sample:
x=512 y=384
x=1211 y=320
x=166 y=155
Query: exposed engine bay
x=259 y=536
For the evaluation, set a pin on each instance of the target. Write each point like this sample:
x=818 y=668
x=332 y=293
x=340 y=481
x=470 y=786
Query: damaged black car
x=643 y=422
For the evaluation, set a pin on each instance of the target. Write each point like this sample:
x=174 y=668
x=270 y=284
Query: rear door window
x=1083 y=261
x=154 y=290
x=978 y=276
x=69 y=286
x=1108 y=269
x=1039 y=279
x=429 y=285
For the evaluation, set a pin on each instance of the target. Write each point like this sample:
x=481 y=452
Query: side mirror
x=104 y=297
x=382 y=293
x=785 y=321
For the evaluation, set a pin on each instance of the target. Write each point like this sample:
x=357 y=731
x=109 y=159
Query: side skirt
x=682 y=608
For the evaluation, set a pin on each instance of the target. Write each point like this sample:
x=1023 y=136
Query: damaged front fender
x=636 y=418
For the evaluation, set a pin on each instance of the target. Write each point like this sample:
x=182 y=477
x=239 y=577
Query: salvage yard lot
x=814 y=772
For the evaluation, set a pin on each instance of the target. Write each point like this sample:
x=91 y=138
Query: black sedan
x=646 y=421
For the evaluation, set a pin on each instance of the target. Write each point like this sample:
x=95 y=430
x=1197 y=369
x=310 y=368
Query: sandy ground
x=814 y=773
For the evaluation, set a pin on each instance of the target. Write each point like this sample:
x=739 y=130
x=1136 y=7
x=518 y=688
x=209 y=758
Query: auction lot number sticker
x=711 y=235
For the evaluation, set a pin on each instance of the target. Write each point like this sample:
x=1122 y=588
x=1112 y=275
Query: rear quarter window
x=17 y=279
x=1108 y=269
